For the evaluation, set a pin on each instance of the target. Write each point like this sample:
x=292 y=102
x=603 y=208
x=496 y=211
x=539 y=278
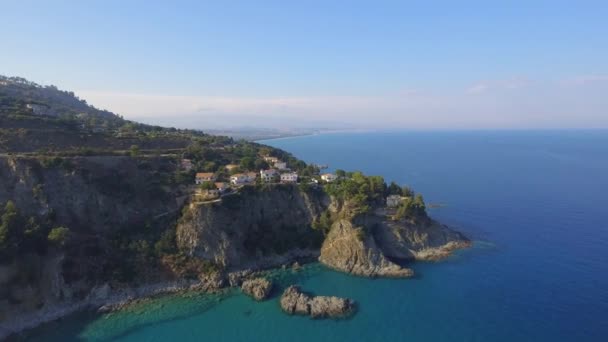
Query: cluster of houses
x=276 y=163
x=278 y=173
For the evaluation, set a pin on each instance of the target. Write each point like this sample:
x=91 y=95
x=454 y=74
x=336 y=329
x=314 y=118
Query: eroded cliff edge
x=270 y=225
x=257 y=227
x=136 y=232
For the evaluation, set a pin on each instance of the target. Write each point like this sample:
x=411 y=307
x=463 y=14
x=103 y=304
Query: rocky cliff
x=269 y=226
x=134 y=228
x=106 y=202
x=256 y=227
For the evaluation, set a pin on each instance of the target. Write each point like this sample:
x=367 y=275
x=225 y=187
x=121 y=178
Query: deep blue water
x=534 y=202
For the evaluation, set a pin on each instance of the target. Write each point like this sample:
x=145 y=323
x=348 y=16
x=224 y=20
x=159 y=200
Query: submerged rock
x=294 y=301
x=258 y=288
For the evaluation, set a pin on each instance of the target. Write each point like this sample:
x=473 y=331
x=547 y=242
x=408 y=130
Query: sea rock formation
x=349 y=249
x=405 y=240
x=294 y=301
x=258 y=288
x=374 y=244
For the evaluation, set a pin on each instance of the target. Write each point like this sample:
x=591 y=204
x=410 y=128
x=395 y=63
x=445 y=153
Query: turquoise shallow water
x=534 y=202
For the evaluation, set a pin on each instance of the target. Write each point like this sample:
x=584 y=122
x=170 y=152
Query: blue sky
x=431 y=64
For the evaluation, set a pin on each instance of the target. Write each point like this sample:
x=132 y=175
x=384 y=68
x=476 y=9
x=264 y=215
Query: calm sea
x=536 y=204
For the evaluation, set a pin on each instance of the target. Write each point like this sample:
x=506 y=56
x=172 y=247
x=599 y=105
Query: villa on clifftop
x=329 y=177
x=289 y=177
x=393 y=201
x=243 y=178
x=268 y=175
x=202 y=177
x=276 y=163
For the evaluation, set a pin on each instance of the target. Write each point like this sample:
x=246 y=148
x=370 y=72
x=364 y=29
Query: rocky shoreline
x=293 y=301
x=105 y=299
x=102 y=298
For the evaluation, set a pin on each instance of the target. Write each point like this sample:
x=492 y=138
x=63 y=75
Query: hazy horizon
x=471 y=65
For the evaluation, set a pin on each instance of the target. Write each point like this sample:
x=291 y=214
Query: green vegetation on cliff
x=88 y=199
x=412 y=208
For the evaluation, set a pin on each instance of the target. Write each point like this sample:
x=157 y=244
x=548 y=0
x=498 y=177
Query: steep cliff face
x=349 y=249
x=370 y=244
x=253 y=228
x=428 y=241
x=271 y=225
x=93 y=194
x=100 y=200
x=119 y=210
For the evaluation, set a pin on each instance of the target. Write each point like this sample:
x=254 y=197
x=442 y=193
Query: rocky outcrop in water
x=295 y=302
x=374 y=244
x=258 y=288
x=350 y=249
x=428 y=241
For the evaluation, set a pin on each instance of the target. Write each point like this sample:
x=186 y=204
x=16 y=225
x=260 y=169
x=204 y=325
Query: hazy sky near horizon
x=373 y=64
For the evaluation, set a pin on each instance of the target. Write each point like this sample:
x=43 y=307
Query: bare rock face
x=349 y=249
x=430 y=241
x=258 y=288
x=294 y=301
x=254 y=228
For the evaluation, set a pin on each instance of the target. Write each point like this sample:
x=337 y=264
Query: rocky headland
x=97 y=211
x=217 y=244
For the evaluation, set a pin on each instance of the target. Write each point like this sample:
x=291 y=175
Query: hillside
x=88 y=216
x=35 y=118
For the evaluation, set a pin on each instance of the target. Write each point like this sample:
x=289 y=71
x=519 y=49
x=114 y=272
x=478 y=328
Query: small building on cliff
x=393 y=201
x=271 y=160
x=289 y=177
x=280 y=165
x=204 y=177
x=243 y=178
x=329 y=177
x=268 y=175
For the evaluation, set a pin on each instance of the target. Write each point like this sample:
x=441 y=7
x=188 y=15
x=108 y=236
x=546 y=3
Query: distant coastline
x=332 y=131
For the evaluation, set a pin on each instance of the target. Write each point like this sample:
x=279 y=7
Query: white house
x=40 y=109
x=280 y=165
x=271 y=160
x=204 y=177
x=329 y=177
x=289 y=177
x=243 y=178
x=268 y=175
x=393 y=201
